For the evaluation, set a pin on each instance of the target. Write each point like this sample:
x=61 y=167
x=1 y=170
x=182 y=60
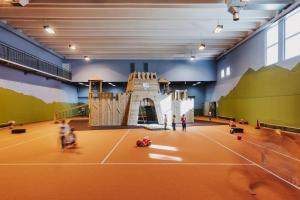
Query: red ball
x=239 y=137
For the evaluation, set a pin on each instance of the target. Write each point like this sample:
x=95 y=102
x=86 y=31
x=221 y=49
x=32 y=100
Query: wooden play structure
x=143 y=103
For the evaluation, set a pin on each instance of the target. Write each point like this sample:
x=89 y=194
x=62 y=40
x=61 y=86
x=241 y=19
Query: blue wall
x=197 y=91
x=118 y=70
x=251 y=54
x=20 y=41
x=48 y=90
x=83 y=91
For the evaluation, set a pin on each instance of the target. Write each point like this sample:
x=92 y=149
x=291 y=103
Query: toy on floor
x=242 y=121
x=232 y=123
x=278 y=131
x=239 y=137
x=144 y=143
x=18 y=131
x=236 y=130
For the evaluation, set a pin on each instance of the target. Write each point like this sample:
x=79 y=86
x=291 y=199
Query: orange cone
x=257 y=125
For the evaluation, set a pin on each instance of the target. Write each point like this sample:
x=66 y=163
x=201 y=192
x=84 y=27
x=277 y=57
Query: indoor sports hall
x=148 y=99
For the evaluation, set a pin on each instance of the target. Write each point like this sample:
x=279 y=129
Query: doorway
x=147 y=112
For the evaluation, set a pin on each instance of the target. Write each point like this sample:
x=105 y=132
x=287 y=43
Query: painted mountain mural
x=270 y=94
x=26 y=109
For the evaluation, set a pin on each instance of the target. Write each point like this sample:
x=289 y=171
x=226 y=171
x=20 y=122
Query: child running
x=62 y=133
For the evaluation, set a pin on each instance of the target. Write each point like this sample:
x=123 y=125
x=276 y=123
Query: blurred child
x=63 y=129
x=174 y=122
x=209 y=115
x=72 y=137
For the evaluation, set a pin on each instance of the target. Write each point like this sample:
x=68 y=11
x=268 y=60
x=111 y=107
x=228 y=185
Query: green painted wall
x=271 y=94
x=26 y=109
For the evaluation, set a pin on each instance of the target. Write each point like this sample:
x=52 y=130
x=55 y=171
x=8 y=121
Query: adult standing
x=165 y=121
x=174 y=122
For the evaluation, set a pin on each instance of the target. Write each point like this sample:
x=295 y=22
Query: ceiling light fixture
x=72 y=46
x=86 y=58
x=218 y=28
x=49 y=29
x=202 y=46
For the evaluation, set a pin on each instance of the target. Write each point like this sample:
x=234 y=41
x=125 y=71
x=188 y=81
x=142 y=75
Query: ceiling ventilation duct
x=20 y=3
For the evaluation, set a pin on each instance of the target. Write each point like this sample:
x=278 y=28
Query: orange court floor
x=206 y=162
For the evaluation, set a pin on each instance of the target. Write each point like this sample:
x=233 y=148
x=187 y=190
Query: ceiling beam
x=130 y=40
x=134 y=24
x=139 y=33
x=127 y=13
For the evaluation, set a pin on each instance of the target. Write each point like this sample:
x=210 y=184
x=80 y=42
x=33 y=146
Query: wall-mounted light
x=83 y=84
x=112 y=84
x=218 y=28
x=192 y=58
x=202 y=47
x=49 y=29
x=72 y=46
x=196 y=83
x=87 y=58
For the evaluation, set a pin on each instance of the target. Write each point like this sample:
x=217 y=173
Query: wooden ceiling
x=137 y=29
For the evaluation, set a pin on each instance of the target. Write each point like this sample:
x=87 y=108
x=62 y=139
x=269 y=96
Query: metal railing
x=76 y=111
x=21 y=57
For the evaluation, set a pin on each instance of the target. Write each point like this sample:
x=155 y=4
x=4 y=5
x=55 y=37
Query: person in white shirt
x=63 y=130
x=209 y=115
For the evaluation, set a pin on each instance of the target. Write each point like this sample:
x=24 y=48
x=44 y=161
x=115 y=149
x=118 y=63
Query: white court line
x=116 y=145
x=95 y=164
x=270 y=149
x=204 y=164
x=254 y=163
x=262 y=146
x=48 y=164
x=27 y=141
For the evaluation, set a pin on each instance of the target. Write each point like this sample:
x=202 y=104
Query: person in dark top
x=174 y=122
x=183 y=122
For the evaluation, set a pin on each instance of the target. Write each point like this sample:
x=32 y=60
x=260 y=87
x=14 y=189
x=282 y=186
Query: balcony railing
x=20 y=57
